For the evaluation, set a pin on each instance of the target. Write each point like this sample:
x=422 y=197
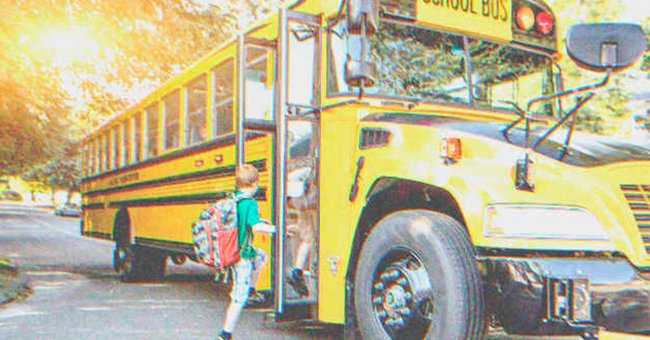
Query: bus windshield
x=421 y=64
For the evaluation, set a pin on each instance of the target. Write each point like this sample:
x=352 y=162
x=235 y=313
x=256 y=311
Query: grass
x=9 y=275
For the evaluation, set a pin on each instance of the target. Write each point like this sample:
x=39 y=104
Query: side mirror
x=358 y=73
x=360 y=13
x=601 y=47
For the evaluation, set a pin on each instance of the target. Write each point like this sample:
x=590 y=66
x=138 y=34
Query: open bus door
x=298 y=144
x=256 y=129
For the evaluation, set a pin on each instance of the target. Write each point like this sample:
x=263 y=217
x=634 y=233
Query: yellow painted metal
x=606 y=335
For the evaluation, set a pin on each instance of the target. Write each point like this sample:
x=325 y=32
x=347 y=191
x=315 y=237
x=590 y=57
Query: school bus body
x=379 y=157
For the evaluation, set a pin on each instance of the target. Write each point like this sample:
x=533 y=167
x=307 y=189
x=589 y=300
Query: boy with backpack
x=247 y=270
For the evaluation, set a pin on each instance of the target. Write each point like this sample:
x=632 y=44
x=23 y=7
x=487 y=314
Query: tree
x=610 y=109
x=67 y=66
x=62 y=173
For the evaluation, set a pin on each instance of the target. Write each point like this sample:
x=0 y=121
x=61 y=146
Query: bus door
x=298 y=123
x=256 y=129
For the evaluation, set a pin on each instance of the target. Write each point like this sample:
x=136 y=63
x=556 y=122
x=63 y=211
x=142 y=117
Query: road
x=78 y=295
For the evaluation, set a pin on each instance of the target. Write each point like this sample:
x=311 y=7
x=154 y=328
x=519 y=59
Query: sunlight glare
x=67 y=45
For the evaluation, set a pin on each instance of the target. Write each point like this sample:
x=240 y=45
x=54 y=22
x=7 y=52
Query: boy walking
x=247 y=270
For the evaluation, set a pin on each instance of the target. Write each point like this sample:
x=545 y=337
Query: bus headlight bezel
x=542 y=222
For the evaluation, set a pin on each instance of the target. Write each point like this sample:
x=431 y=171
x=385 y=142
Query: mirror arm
x=561 y=79
x=567 y=140
x=364 y=39
x=571 y=113
x=571 y=92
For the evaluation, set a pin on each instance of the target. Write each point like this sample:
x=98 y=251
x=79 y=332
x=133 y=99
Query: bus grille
x=638 y=198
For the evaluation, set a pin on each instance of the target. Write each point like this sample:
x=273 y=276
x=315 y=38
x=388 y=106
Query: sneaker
x=256 y=300
x=223 y=335
x=297 y=281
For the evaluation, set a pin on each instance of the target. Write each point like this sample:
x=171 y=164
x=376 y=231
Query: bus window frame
x=468 y=67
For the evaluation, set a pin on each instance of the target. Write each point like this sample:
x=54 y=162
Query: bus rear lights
x=525 y=18
x=544 y=22
x=451 y=150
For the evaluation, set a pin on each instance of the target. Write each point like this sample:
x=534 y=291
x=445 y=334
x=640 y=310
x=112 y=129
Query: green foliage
x=62 y=173
x=55 y=88
x=610 y=109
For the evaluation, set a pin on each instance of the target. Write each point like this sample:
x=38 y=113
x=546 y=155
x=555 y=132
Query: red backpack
x=216 y=236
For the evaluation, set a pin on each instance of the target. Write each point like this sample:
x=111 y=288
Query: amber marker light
x=544 y=22
x=451 y=149
x=525 y=18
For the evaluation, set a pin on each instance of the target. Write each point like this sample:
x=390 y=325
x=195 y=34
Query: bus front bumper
x=553 y=296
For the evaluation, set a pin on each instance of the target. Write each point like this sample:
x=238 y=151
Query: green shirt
x=248 y=215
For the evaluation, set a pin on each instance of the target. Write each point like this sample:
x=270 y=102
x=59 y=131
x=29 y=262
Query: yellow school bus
x=419 y=160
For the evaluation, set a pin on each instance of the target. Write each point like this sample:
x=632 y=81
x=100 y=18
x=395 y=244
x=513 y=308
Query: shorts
x=243 y=275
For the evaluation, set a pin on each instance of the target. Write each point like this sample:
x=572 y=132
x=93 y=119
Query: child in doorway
x=247 y=270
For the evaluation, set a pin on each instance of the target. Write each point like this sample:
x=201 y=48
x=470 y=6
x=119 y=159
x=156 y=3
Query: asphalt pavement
x=76 y=293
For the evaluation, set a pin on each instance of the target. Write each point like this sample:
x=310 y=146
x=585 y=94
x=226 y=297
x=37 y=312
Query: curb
x=19 y=288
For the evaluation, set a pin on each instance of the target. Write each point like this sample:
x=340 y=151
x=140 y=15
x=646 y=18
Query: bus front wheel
x=417 y=278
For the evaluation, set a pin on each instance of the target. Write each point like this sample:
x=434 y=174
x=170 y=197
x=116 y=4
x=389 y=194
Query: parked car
x=10 y=195
x=69 y=209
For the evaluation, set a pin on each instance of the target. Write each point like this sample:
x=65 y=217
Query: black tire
x=417 y=278
x=135 y=263
x=139 y=264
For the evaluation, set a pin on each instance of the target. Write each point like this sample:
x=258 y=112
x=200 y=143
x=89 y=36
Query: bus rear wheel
x=139 y=264
x=417 y=278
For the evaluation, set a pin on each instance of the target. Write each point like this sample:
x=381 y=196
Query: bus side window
x=116 y=148
x=127 y=135
x=107 y=151
x=196 y=110
x=137 y=148
x=172 y=115
x=152 y=130
x=98 y=152
x=222 y=99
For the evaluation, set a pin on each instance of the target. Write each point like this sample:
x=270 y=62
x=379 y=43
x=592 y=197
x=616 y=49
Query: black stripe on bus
x=223 y=171
x=204 y=198
x=219 y=172
x=222 y=141
x=92 y=206
x=219 y=142
x=180 y=247
x=98 y=234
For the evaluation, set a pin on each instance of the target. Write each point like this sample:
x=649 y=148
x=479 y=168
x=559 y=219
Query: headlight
x=542 y=221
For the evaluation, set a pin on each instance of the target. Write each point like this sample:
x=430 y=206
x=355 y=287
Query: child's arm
x=264 y=227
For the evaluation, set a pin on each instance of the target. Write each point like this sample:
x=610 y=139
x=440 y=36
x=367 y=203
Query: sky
x=637 y=10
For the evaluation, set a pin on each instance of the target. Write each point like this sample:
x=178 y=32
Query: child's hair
x=247 y=175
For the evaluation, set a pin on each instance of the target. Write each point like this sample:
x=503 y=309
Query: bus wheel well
x=389 y=195
x=122 y=227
